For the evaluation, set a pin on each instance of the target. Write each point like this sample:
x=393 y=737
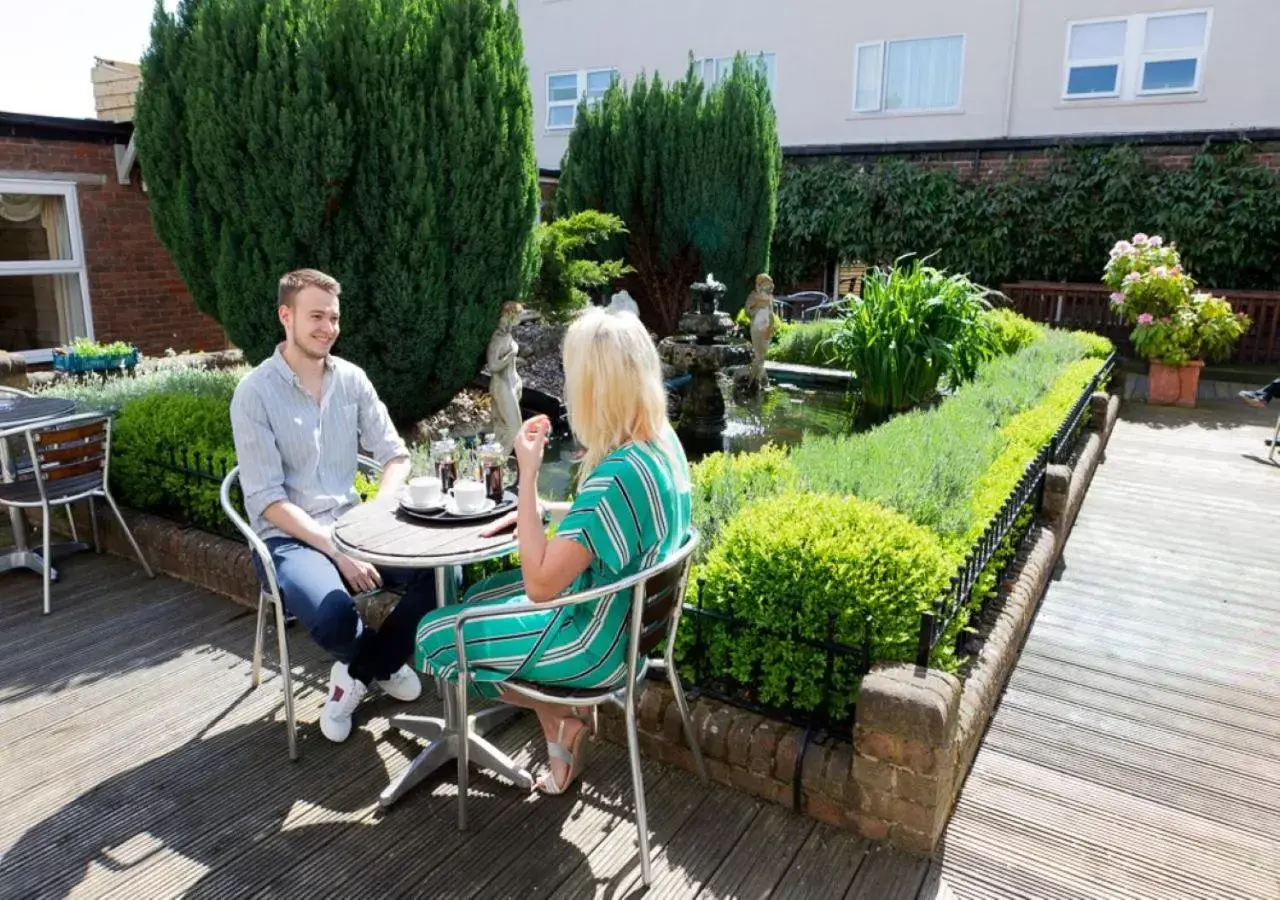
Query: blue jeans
x=313 y=590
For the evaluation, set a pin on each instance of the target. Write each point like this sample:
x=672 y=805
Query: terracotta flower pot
x=1173 y=385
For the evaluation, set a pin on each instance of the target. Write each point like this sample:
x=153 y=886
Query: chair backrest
x=658 y=599
x=849 y=278
x=229 y=483
x=76 y=446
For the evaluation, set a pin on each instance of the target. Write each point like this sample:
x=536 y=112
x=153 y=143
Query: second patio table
x=380 y=534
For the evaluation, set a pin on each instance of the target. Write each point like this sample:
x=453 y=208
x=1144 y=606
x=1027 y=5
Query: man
x=1262 y=396
x=299 y=419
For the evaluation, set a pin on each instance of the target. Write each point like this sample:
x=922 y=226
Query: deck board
x=138 y=763
x=1136 y=750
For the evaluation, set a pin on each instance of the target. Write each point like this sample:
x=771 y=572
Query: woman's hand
x=501 y=525
x=530 y=443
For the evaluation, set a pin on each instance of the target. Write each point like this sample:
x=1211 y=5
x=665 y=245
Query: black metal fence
x=203 y=472
x=1001 y=531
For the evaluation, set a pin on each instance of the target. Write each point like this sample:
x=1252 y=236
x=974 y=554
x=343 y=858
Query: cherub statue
x=759 y=309
x=505 y=386
x=624 y=302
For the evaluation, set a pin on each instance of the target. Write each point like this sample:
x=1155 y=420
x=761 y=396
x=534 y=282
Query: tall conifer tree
x=694 y=174
x=387 y=142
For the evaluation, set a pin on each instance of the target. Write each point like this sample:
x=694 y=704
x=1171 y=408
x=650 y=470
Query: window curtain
x=66 y=288
x=924 y=74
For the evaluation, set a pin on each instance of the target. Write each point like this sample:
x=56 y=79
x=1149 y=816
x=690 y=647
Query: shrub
x=564 y=276
x=787 y=563
x=694 y=174
x=723 y=483
x=1010 y=332
x=912 y=325
x=145 y=431
x=925 y=464
x=806 y=344
x=389 y=144
x=1095 y=345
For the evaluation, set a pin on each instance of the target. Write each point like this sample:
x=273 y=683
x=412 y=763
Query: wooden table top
x=381 y=530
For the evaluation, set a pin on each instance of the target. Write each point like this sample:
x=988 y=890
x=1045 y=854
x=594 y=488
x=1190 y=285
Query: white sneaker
x=345 y=694
x=404 y=684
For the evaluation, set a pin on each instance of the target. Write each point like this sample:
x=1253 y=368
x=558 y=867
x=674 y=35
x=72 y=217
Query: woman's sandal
x=574 y=758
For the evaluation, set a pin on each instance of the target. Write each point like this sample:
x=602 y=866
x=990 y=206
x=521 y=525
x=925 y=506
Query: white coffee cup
x=424 y=491
x=468 y=494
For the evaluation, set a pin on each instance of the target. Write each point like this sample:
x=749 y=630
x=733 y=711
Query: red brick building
x=78 y=256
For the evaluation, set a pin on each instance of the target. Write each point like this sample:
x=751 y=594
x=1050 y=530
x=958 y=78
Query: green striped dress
x=633 y=510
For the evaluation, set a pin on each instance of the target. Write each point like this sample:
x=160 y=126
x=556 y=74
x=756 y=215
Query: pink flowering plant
x=1173 y=323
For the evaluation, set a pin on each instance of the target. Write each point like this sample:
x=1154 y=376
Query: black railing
x=828 y=717
x=204 y=472
x=1002 y=530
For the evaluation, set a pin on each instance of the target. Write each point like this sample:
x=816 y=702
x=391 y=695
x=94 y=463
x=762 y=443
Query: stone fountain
x=703 y=350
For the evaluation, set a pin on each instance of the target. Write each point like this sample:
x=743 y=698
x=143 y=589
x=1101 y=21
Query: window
x=1141 y=55
x=566 y=89
x=714 y=70
x=908 y=76
x=43 y=287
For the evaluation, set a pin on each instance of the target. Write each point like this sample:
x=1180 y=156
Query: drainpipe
x=1013 y=66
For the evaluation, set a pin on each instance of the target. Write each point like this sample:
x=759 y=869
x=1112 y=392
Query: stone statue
x=759 y=309
x=623 y=302
x=505 y=387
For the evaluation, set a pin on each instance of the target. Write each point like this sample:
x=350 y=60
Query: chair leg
x=71 y=520
x=45 y=515
x=637 y=783
x=464 y=747
x=286 y=682
x=93 y=523
x=1274 y=437
x=129 y=534
x=260 y=632
x=687 y=721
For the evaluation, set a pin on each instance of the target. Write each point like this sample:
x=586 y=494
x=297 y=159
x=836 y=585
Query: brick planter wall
x=134 y=290
x=916 y=730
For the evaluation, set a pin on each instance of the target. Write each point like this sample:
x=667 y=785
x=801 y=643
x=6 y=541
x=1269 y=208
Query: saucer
x=451 y=507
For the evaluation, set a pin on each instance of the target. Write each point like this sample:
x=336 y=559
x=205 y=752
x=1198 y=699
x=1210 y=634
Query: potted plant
x=1176 y=328
x=85 y=356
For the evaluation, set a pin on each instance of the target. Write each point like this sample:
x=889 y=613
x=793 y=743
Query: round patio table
x=380 y=534
x=17 y=411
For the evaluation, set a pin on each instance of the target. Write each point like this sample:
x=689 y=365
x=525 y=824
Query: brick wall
x=134 y=290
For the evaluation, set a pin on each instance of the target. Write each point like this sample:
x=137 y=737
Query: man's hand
x=359 y=576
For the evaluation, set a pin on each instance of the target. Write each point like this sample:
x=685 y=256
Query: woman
x=633 y=508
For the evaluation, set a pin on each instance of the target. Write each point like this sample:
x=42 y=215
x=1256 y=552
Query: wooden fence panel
x=1088 y=307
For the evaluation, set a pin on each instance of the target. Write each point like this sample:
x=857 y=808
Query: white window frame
x=582 y=75
x=1168 y=55
x=715 y=62
x=74 y=266
x=879 y=109
x=1117 y=61
x=1133 y=64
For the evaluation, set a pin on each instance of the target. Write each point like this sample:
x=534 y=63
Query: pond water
x=782 y=416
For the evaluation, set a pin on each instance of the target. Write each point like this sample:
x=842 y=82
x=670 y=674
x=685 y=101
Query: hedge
x=870 y=525
x=1223 y=210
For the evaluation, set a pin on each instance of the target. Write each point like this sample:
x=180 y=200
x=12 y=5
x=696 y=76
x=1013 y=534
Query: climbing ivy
x=1053 y=222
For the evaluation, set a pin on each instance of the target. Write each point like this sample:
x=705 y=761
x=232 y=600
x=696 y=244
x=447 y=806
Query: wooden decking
x=138 y=764
x=1136 y=751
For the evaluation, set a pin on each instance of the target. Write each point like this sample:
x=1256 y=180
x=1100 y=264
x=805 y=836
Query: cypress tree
x=387 y=143
x=694 y=175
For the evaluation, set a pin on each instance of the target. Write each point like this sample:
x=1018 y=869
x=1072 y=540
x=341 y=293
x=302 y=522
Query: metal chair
x=69 y=459
x=657 y=599
x=269 y=595
x=1275 y=438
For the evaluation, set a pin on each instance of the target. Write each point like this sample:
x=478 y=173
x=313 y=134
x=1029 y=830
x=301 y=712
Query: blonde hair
x=292 y=282
x=613 y=385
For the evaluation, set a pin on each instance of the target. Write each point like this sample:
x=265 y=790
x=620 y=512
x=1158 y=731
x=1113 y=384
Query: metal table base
x=23 y=557
x=443 y=736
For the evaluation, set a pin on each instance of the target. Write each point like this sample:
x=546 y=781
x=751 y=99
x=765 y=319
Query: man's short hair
x=294 y=281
